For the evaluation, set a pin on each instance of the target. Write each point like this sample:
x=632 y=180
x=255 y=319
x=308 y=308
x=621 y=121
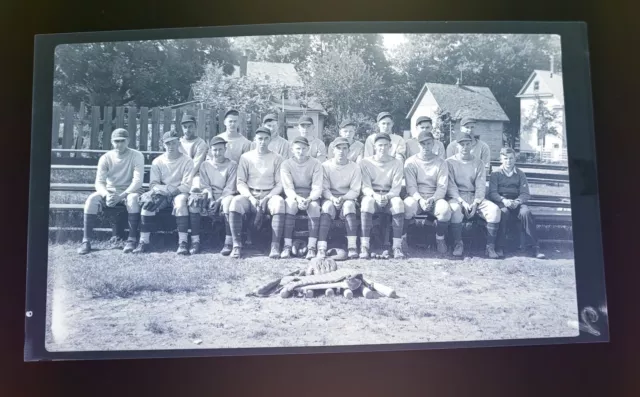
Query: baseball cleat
x=491 y=252
x=397 y=253
x=538 y=254
x=457 y=250
x=129 y=246
x=286 y=252
x=500 y=252
x=275 y=251
x=364 y=253
x=441 y=246
x=142 y=247
x=195 y=248
x=85 y=248
x=311 y=253
x=236 y=252
x=353 y=253
x=385 y=253
x=226 y=250
x=322 y=253
x=182 y=248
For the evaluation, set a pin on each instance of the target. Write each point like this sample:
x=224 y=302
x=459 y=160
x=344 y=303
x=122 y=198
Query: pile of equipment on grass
x=322 y=277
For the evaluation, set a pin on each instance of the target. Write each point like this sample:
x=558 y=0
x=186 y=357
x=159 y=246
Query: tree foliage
x=543 y=120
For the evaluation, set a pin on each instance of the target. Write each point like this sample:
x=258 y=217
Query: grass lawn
x=111 y=301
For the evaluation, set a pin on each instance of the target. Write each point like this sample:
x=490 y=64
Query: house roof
x=553 y=82
x=284 y=73
x=463 y=101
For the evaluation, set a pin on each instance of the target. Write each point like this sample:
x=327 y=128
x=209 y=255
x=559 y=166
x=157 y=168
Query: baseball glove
x=150 y=201
x=321 y=266
x=199 y=200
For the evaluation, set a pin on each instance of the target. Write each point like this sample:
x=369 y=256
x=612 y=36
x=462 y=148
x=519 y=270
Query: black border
x=589 y=263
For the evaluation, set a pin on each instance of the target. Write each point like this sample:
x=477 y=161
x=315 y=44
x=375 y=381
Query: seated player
x=427 y=177
x=466 y=193
x=237 y=144
x=317 y=148
x=118 y=182
x=169 y=185
x=342 y=180
x=259 y=189
x=424 y=124
x=218 y=179
x=382 y=177
x=397 y=148
x=301 y=177
x=278 y=144
x=356 y=148
x=479 y=149
x=509 y=189
x=192 y=145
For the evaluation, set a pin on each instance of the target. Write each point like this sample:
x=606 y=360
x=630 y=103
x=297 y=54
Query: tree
x=140 y=73
x=543 y=120
x=293 y=49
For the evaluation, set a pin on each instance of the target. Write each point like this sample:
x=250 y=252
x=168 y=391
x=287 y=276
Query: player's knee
x=144 y=212
x=493 y=213
x=133 y=206
x=276 y=205
x=456 y=213
x=226 y=204
x=349 y=207
x=368 y=204
x=291 y=206
x=313 y=210
x=327 y=206
x=92 y=205
x=442 y=211
x=397 y=206
x=236 y=204
x=410 y=208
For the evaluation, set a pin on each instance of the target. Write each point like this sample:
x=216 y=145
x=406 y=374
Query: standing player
x=479 y=149
x=427 y=178
x=237 y=144
x=278 y=144
x=424 y=124
x=317 y=148
x=260 y=187
x=169 y=184
x=356 y=148
x=192 y=145
x=342 y=181
x=118 y=181
x=382 y=177
x=509 y=189
x=466 y=193
x=397 y=148
x=218 y=179
x=301 y=177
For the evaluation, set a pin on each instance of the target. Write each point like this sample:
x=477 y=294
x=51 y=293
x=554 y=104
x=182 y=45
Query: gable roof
x=463 y=101
x=553 y=82
x=284 y=73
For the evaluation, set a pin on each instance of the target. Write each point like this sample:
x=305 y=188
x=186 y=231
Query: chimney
x=243 y=64
x=551 y=68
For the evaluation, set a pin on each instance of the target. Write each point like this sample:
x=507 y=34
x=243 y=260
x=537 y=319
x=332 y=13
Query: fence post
x=120 y=117
x=201 y=118
x=155 y=129
x=220 y=121
x=282 y=125
x=95 y=127
x=67 y=133
x=55 y=127
x=107 y=127
x=243 y=124
x=167 y=120
x=254 y=126
x=80 y=137
x=132 y=126
x=179 y=122
x=144 y=128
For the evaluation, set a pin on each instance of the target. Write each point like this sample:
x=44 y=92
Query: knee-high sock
x=314 y=224
x=146 y=227
x=194 y=218
x=397 y=222
x=134 y=224
x=90 y=221
x=492 y=232
x=183 y=228
x=441 y=228
x=277 y=227
x=352 y=231
x=289 y=224
x=367 y=223
x=325 y=225
x=235 y=227
x=456 y=232
x=227 y=228
x=384 y=228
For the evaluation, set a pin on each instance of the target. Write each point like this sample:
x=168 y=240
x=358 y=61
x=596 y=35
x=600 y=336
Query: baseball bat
x=382 y=289
x=367 y=293
x=308 y=293
x=348 y=293
x=329 y=292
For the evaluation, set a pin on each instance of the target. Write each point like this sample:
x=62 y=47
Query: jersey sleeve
x=242 y=177
x=481 y=182
x=410 y=178
x=138 y=174
x=356 y=184
x=442 y=182
x=396 y=183
x=452 y=187
x=230 y=185
x=101 y=176
x=287 y=180
x=316 y=182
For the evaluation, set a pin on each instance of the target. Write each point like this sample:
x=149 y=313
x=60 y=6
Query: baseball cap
x=263 y=130
x=464 y=138
x=467 y=120
x=232 y=112
x=340 y=140
x=119 y=133
x=187 y=118
x=422 y=119
x=423 y=136
x=170 y=136
x=305 y=119
x=347 y=123
x=383 y=115
x=301 y=139
x=381 y=136
x=269 y=117
x=216 y=140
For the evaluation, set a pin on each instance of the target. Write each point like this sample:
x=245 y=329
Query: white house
x=460 y=101
x=545 y=86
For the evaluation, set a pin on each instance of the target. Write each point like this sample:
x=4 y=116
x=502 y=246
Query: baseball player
x=317 y=148
x=218 y=184
x=237 y=144
x=169 y=185
x=382 y=177
x=397 y=148
x=509 y=189
x=260 y=187
x=301 y=177
x=356 y=148
x=192 y=145
x=278 y=144
x=118 y=182
x=424 y=124
x=342 y=181
x=466 y=193
x=427 y=179
x=479 y=149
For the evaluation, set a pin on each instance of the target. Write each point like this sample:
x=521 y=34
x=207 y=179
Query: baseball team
x=239 y=180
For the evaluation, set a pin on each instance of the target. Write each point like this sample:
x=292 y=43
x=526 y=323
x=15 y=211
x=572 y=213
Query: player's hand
x=254 y=201
x=466 y=206
x=430 y=203
x=112 y=199
x=423 y=204
x=384 y=200
x=337 y=201
x=514 y=204
x=214 y=206
x=303 y=204
x=161 y=189
x=507 y=203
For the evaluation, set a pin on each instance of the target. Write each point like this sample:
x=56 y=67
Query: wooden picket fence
x=91 y=127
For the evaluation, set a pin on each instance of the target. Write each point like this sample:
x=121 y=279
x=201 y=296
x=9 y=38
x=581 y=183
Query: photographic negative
x=343 y=187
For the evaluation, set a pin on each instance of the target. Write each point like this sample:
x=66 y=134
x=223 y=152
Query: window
x=556 y=146
x=536 y=85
